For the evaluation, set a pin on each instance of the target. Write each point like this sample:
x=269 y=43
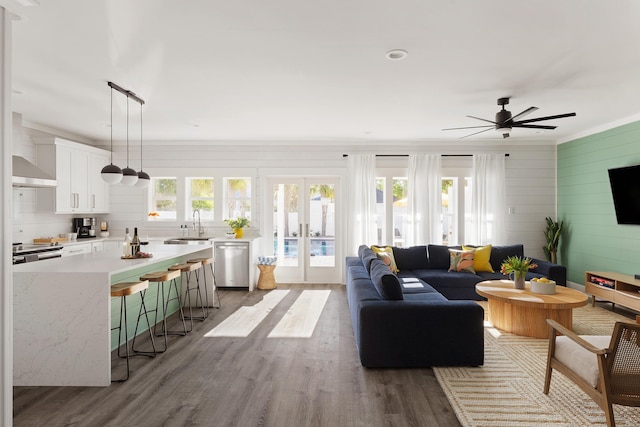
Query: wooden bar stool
x=209 y=262
x=160 y=278
x=123 y=290
x=187 y=269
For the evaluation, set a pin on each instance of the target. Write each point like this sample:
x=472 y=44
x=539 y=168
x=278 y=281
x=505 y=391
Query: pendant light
x=129 y=176
x=111 y=174
x=143 y=178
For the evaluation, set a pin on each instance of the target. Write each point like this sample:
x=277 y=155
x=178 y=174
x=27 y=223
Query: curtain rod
x=126 y=93
x=406 y=155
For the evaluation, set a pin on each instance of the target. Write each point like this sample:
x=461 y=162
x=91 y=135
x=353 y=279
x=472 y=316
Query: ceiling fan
x=504 y=122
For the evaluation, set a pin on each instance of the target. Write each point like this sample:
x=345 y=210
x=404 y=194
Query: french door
x=303 y=214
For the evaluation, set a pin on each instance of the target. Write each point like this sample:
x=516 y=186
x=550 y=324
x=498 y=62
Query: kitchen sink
x=189 y=241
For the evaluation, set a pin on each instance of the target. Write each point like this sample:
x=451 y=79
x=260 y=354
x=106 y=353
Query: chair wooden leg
x=550 y=352
x=608 y=413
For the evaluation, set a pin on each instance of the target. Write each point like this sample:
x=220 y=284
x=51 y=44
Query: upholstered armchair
x=606 y=368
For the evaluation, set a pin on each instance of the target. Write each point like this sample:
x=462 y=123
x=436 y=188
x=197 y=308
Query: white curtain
x=488 y=200
x=362 y=228
x=424 y=200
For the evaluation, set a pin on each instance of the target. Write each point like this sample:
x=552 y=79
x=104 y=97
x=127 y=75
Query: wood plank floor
x=249 y=381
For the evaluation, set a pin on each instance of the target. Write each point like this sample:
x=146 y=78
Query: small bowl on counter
x=230 y=235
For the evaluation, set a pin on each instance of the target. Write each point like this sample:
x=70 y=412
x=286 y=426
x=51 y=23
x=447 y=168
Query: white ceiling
x=293 y=70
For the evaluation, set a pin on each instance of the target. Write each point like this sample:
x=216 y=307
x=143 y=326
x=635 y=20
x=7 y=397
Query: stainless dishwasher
x=232 y=264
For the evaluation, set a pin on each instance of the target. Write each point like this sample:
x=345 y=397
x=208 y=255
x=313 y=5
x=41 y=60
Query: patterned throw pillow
x=461 y=261
x=385 y=253
x=480 y=257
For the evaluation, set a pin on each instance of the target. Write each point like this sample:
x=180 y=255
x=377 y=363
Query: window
x=391 y=205
x=449 y=211
x=163 y=196
x=200 y=196
x=399 y=210
x=237 y=198
x=380 y=210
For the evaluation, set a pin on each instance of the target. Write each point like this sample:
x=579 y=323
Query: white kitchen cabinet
x=98 y=189
x=76 y=249
x=77 y=169
x=97 y=246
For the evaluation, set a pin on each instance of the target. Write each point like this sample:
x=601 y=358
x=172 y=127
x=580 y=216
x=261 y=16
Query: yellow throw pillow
x=385 y=253
x=481 y=257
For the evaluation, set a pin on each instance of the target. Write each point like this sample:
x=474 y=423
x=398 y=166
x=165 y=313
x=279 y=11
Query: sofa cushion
x=385 y=253
x=461 y=261
x=581 y=361
x=411 y=258
x=439 y=256
x=425 y=296
x=412 y=285
x=366 y=256
x=500 y=253
x=386 y=283
x=481 y=257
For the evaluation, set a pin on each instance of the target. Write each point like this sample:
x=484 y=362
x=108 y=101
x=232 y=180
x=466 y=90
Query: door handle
x=300 y=230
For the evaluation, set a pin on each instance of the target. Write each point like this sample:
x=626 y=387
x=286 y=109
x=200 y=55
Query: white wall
x=531 y=178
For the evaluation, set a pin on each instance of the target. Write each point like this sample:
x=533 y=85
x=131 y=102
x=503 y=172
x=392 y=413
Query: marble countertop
x=108 y=261
x=153 y=239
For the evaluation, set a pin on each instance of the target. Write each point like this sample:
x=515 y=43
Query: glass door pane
x=286 y=230
x=322 y=223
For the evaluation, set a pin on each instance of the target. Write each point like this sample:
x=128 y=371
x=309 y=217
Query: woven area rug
x=507 y=389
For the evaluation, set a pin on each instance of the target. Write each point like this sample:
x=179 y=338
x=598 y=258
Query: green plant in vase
x=552 y=234
x=237 y=225
x=518 y=266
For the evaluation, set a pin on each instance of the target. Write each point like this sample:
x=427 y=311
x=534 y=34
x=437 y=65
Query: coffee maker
x=85 y=227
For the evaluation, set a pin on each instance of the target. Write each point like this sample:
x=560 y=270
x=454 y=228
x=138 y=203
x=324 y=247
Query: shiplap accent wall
x=593 y=240
x=530 y=186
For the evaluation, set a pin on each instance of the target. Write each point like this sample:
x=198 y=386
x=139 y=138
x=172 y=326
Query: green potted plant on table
x=552 y=234
x=518 y=266
x=238 y=224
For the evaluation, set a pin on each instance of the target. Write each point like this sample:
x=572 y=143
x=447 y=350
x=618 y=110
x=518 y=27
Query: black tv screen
x=625 y=187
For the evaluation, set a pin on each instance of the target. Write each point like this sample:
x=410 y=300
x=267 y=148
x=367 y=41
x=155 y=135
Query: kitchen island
x=62 y=313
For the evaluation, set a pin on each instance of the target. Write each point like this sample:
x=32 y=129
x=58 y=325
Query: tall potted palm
x=552 y=234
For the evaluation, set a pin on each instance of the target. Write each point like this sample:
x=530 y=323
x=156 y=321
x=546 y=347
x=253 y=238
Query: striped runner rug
x=507 y=389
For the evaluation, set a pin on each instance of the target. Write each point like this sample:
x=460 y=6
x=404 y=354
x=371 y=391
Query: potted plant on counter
x=238 y=224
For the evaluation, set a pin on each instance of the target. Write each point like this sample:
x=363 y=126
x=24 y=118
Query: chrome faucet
x=200 y=229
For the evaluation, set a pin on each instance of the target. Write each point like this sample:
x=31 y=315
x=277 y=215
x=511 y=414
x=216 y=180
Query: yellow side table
x=266 y=280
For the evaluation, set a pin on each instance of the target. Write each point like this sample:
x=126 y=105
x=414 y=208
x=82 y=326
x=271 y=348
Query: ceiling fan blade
x=515 y=125
x=484 y=120
x=524 y=113
x=475 y=133
x=470 y=127
x=539 y=119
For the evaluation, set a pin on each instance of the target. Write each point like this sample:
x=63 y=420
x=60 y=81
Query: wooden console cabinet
x=624 y=290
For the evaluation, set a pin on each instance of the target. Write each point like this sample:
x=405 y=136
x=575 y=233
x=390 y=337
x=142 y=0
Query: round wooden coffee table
x=522 y=312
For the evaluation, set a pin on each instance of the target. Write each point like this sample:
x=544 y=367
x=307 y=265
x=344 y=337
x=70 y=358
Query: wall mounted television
x=625 y=187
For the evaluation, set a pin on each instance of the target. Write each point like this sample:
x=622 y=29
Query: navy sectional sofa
x=423 y=315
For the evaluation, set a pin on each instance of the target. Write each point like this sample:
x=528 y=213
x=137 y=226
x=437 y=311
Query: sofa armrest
x=412 y=333
x=552 y=271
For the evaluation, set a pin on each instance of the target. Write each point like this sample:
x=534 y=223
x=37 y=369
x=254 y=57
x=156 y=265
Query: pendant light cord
x=127 y=131
x=111 y=125
x=140 y=137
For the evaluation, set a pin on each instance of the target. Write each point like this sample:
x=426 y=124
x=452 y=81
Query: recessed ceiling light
x=396 y=54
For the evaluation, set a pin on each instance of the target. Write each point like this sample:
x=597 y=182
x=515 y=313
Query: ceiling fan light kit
x=505 y=122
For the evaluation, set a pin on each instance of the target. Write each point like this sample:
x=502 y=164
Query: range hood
x=26 y=174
